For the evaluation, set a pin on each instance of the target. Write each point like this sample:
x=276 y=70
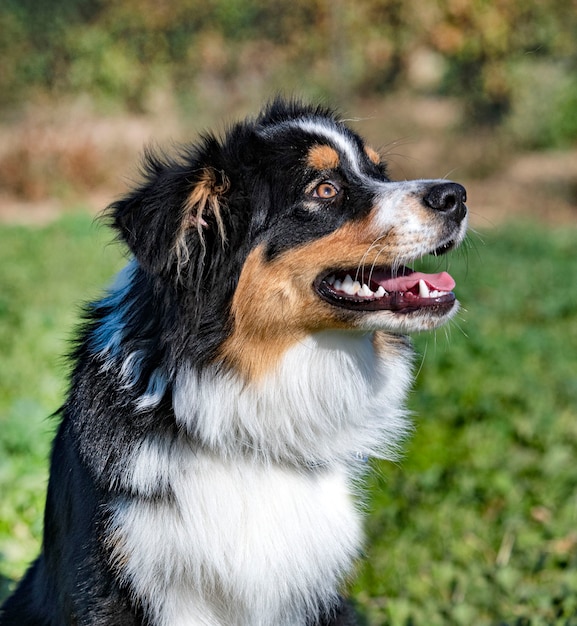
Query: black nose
x=449 y=198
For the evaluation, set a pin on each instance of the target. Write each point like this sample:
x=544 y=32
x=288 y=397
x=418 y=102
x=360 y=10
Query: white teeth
x=354 y=288
x=350 y=286
x=347 y=286
x=365 y=291
x=423 y=289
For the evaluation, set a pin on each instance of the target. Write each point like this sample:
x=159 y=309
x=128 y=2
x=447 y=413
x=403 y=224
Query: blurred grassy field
x=477 y=525
x=45 y=275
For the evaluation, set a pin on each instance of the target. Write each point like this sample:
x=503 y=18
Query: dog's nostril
x=447 y=197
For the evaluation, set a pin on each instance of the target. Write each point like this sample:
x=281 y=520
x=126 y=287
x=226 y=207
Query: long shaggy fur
x=230 y=385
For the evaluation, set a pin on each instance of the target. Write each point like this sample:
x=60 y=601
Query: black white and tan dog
x=228 y=386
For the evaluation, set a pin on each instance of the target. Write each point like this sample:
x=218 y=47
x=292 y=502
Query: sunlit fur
x=221 y=412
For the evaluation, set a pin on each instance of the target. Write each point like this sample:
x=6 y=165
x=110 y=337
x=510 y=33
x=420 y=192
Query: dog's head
x=286 y=226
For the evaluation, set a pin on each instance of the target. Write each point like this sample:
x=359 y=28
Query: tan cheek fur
x=275 y=306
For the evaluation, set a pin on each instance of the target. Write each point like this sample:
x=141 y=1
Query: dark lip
x=397 y=302
x=446 y=247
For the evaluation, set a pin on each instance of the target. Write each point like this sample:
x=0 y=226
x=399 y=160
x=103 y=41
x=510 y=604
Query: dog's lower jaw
x=411 y=322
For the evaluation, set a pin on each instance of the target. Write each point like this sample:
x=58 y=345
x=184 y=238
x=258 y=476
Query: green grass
x=45 y=275
x=477 y=524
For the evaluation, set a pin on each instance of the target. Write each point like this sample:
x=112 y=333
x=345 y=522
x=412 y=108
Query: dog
x=230 y=386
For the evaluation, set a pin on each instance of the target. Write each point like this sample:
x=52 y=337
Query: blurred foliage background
x=510 y=60
x=477 y=525
x=84 y=84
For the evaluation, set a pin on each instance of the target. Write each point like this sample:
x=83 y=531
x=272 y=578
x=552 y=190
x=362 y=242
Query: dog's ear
x=205 y=201
x=175 y=214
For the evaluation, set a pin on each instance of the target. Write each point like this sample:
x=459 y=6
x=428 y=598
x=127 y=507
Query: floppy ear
x=174 y=214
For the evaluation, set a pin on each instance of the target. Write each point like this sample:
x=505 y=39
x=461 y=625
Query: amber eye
x=326 y=191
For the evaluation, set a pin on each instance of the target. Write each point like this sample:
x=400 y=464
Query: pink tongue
x=440 y=282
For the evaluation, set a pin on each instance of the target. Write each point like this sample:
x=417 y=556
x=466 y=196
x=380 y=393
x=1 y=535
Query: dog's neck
x=334 y=397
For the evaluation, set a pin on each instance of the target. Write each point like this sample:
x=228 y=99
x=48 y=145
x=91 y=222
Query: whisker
x=361 y=266
x=375 y=262
x=396 y=265
x=422 y=359
x=458 y=326
x=470 y=244
x=449 y=173
x=487 y=221
x=447 y=330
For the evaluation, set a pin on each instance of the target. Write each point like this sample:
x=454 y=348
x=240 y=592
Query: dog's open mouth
x=406 y=290
x=401 y=290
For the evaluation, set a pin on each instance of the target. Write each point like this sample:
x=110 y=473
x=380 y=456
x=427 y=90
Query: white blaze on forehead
x=328 y=131
x=338 y=139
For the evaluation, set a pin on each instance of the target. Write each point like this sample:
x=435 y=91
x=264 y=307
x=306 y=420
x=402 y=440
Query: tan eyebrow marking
x=323 y=157
x=373 y=155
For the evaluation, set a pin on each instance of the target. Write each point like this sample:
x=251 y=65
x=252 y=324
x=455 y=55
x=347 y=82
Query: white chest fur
x=240 y=544
x=261 y=528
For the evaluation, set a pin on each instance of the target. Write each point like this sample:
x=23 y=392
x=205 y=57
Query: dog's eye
x=326 y=191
